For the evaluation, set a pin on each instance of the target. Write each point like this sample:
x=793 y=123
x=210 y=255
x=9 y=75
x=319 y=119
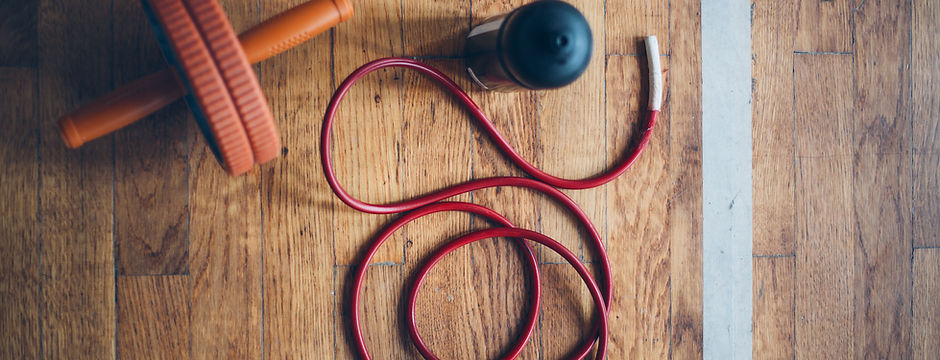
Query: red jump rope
x=431 y=203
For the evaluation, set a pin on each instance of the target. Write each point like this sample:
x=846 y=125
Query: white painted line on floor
x=726 y=178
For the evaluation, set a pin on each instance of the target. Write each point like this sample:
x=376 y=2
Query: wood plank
x=926 y=303
x=501 y=299
x=567 y=311
x=824 y=25
x=436 y=153
x=628 y=22
x=19 y=33
x=436 y=141
x=435 y=28
x=500 y=278
x=882 y=180
x=445 y=311
x=437 y=131
x=500 y=283
x=500 y=294
x=151 y=210
x=825 y=94
x=685 y=162
x=76 y=186
x=639 y=245
x=774 y=23
x=571 y=137
x=153 y=317
x=824 y=220
x=19 y=240
x=925 y=73
x=383 y=319
x=773 y=307
x=225 y=245
x=882 y=255
x=882 y=60
x=297 y=203
x=368 y=127
x=926 y=200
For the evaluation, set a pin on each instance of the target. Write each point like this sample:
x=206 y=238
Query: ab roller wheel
x=209 y=93
x=211 y=69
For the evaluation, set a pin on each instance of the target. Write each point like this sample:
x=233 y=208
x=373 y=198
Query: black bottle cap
x=546 y=44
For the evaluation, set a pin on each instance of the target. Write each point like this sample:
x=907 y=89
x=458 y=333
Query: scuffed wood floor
x=846 y=179
x=139 y=246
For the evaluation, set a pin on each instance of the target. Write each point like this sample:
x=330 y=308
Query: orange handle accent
x=293 y=27
x=146 y=95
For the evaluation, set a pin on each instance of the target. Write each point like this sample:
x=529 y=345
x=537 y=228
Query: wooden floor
x=140 y=246
x=846 y=144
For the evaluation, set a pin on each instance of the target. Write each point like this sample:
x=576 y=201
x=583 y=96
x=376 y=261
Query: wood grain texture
x=882 y=82
x=382 y=314
x=498 y=289
x=297 y=203
x=882 y=179
x=436 y=141
x=925 y=74
x=434 y=28
x=628 y=22
x=774 y=23
x=19 y=33
x=153 y=317
x=436 y=153
x=76 y=186
x=368 y=127
x=225 y=245
x=567 y=117
x=638 y=241
x=151 y=210
x=567 y=312
x=824 y=25
x=861 y=199
x=19 y=227
x=685 y=165
x=445 y=310
x=926 y=303
x=773 y=294
x=500 y=281
x=825 y=231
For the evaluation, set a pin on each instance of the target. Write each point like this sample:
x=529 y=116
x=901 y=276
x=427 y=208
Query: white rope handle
x=656 y=73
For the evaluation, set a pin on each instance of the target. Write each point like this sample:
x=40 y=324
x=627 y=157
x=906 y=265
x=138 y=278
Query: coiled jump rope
x=434 y=202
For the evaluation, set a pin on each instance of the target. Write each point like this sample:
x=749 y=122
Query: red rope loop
x=433 y=202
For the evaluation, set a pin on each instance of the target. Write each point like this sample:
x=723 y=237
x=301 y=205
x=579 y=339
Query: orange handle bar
x=146 y=95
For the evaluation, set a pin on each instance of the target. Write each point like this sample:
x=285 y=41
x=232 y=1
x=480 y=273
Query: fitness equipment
x=211 y=68
x=542 y=182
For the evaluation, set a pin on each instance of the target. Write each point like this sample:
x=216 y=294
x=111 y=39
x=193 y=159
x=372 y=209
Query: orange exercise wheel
x=211 y=69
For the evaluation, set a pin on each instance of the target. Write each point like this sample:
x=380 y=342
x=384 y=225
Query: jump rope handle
x=146 y=95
